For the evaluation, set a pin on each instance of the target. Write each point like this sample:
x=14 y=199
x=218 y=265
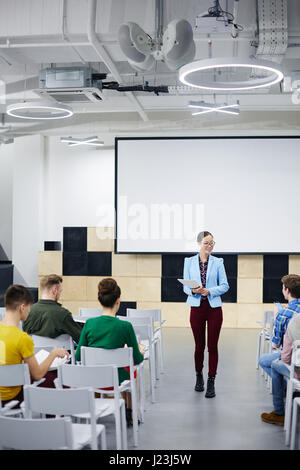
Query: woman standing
x=205 y=303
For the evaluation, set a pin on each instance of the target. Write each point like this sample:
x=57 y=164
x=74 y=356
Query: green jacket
x=110 y=333
x=49 y=318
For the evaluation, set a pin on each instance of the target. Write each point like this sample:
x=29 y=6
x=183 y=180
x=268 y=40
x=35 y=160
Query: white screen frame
x=187 y=138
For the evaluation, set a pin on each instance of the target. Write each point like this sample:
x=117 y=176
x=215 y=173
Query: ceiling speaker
x=178 y=44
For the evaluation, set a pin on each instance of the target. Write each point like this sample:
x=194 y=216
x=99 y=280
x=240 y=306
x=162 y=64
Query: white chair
x=155 y=314
x=264 y=335
x=2 y=312
x=68 y=402
x=62 y=341
x=292 y=386
x=99 y=378
x=121 y=357
x=295 y=424
x=143 y=328
x=36 y=434
x=90 y=312
x=14 y=375
x=85 y=314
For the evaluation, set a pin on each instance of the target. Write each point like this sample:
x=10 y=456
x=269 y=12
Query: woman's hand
x=201 y=290
x=60 y=352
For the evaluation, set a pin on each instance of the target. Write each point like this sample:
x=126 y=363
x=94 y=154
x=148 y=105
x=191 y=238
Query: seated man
x=47 y=317
x=16 y=346
x=280 y=370
x=291 y=292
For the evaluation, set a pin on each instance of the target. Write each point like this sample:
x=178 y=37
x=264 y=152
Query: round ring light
x=193 y=74
x=39 y=110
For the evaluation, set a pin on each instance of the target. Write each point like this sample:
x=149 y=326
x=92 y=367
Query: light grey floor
x=184 y=419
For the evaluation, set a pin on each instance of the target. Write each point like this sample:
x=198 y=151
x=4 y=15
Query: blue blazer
x=216 y=280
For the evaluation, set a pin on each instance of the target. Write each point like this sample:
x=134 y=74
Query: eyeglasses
x=209 y=243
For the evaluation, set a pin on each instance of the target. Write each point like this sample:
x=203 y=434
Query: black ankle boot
x=199 y=387
x=210 y=391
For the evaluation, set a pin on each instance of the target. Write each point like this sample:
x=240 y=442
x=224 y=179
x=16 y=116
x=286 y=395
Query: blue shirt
x=282 y=320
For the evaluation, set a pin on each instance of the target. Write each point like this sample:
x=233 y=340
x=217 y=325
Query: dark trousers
x=199 y=316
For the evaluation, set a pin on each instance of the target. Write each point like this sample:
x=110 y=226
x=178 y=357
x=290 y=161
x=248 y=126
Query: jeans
x=265 y=361
x=279 y=371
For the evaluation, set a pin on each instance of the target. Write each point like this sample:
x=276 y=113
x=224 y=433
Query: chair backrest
x=36 y=434
x=155 y=314
x=62 y=341
x=2 y=312
x=143 y=327
x=295 y=359
x=90 y=312
x=55 y=401
x=14 y=375
x=79 y=376
x=121 y=357
x=268 y=318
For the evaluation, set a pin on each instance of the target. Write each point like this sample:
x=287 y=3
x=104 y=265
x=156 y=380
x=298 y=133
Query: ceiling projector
x=175 y=48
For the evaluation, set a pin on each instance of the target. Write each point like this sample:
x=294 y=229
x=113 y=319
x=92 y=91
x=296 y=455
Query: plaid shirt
x=282 y=320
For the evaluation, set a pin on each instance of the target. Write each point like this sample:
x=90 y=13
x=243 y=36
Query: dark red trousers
x=213 y=317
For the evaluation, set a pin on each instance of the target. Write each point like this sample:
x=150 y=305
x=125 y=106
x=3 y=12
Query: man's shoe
x=273 y=418
x=210 y=391
x=199 y=387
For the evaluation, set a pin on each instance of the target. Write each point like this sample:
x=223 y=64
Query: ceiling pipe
x=63 y=29
x=234 y=30
x=105 y=57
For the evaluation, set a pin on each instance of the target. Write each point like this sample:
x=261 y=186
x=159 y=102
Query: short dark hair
x=292 y=283
x=16 y=295
x=49 y=281
x=108 y=292
x=202 y=235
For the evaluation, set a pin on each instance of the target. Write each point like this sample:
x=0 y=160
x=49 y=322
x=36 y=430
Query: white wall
x=6 y=195
x=79 y=183
x=27 y=209
x=44 y=186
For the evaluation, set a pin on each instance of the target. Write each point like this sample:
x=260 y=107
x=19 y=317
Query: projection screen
x=244 y=190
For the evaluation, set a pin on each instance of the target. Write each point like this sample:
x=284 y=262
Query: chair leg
x=134 y=414
x=162 y=368
x=258 y=350
x=118 y=422
x=152 y=373
x=141 y=393
x=294 y=426
x=288 y=412
x=103 y=440
x=124 y=427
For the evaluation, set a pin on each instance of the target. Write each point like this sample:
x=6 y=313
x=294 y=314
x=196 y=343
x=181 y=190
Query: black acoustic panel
x=230 y=263
x=272 y=291
x=75 y=239
x=276 y=266
x=75 y=263
x=52 y=246
x=123 y=308
x=99 y=263
x=35 y=293
x=172 y=264
x=231 y=294
x=172 y=290
x=6 y=276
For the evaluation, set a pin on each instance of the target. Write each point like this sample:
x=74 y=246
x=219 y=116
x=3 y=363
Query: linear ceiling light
x=39 y=110
x=230 y=74
x=211 y=107
x=74 y=142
